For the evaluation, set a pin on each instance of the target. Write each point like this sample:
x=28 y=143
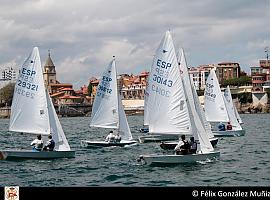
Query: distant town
x=250 y=92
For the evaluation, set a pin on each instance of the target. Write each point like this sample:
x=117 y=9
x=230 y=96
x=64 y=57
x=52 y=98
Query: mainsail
x=29 y=111
x=106 y=100
x=166 y=100
x=214 y=105
x=108 y=110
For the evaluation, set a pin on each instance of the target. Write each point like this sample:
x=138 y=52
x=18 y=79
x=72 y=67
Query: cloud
x=84 y=35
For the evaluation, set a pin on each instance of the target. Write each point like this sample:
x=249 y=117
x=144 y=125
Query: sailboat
x=219 y=107
x=193 y=97
x=32 y=112
x=194 y=101
x=108 y=111
x=174 y=113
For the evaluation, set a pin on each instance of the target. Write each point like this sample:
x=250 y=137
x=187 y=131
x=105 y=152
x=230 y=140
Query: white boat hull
x=29 y=154
x=178 y=159
x=96 y=144
x=229 y=133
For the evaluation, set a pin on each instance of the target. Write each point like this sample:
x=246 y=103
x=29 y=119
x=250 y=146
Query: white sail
x=146 y=112
x=215 y=110
x=192 y=94
x=105 y=107
x=124 y=129
x=29 y=106
x=238 y=116
x=230 y=109
x=61 y=143
x=166 y=100
x=198 y=131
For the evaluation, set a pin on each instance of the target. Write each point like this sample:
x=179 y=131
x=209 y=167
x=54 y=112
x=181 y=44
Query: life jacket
x=186 y=145
x=51 y=145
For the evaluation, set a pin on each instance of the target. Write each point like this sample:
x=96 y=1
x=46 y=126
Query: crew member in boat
x=37 y=143
x=193 y=145
x=117 y=137
x=229 y=126
x=110 y=137
x=182 y=147
x=50 y=144
x=221 y=126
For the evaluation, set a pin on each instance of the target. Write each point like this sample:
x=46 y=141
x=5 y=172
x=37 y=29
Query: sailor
x=37 y=143
x=193 y=145
x=110 y=137
x=229 y=126
x=221 y=126
x=50 y=144
x=182 y=147
x=117 y=138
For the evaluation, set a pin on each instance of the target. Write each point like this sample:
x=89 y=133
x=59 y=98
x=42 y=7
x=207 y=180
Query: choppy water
x=244 y=161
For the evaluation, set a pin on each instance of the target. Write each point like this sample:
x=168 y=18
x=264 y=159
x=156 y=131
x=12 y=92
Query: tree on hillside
x=6 y=94
x=242 y=81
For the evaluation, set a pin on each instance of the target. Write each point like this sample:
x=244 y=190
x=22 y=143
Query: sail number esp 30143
x=160 y=76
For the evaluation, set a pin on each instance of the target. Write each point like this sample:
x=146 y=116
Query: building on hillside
x=49 y=74
x=61 y=93
x=133 y=87
x=260 y=83
x=199 y=76
x=7 y=75
x=224 y=71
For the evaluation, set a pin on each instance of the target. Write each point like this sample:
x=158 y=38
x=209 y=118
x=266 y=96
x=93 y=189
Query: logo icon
x=12 y=193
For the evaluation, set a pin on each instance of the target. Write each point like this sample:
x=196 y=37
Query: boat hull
x=171 y=145
x=157 y=138
x=229 y=133
x=178 y=159
x=29 y=154
x=97 y=144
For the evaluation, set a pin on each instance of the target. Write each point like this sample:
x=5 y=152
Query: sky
x=83 y=35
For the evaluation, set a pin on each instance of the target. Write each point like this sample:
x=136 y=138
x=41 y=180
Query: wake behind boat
x=108 y=111
x=32 y=112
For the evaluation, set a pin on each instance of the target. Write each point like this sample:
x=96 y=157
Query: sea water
x=244 y=161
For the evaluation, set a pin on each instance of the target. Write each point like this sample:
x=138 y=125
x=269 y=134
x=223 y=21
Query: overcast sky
x=83 y=35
